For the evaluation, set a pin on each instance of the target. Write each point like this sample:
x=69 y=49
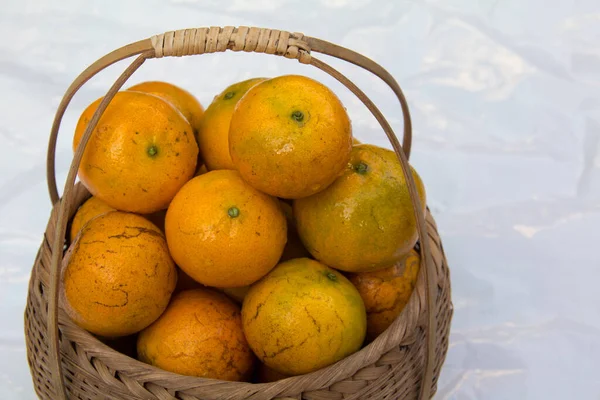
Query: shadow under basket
x=68 y=362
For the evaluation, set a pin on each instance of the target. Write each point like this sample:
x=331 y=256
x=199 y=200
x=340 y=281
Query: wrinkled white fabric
x=505 y=96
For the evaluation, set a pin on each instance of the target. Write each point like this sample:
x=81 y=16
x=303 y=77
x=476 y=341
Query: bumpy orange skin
x=290 y=136
x=213 y=130
x=120 y=276
x=365 y=220
x=293 y=249
x=216 y=248
x=303 y=316
x=200 y=334
x=180 y=98
x=88 y=211
x=140 y=154
x=386 y=292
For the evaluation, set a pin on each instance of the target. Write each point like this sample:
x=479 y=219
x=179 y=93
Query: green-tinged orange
x=200 y=334
x=224 y=233
x=213 y=131
x=303 y=316
x=140 y=154
x=290 y=136
x=120 y=276
x=88 y=211
x=365 y=220
x=386 y=292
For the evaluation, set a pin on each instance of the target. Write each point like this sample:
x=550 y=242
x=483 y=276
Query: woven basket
x=69 y=363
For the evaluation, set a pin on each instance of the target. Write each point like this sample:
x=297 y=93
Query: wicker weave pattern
x=68 y=362
x=94 y=371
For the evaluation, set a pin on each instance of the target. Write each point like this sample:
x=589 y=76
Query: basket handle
x=210 y=40
x=214 y=39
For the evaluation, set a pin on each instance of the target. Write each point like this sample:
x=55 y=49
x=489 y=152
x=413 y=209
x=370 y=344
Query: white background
x=505 y=97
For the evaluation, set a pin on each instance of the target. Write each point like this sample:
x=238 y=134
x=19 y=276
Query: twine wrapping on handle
x=189 y=43
x=186 y=42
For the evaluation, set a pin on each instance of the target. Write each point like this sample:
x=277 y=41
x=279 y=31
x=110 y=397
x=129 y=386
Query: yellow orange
x=386 y=292
x=140 y=154
x=200 y=334
x=88 y=210
x=303 y=316
x=213 y=131
x=180 y=98
x=290 y=136
x=365 y=220
x=120 y=276
x=223 y=232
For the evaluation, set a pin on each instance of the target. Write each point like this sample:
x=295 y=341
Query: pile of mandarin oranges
x=254 y=240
